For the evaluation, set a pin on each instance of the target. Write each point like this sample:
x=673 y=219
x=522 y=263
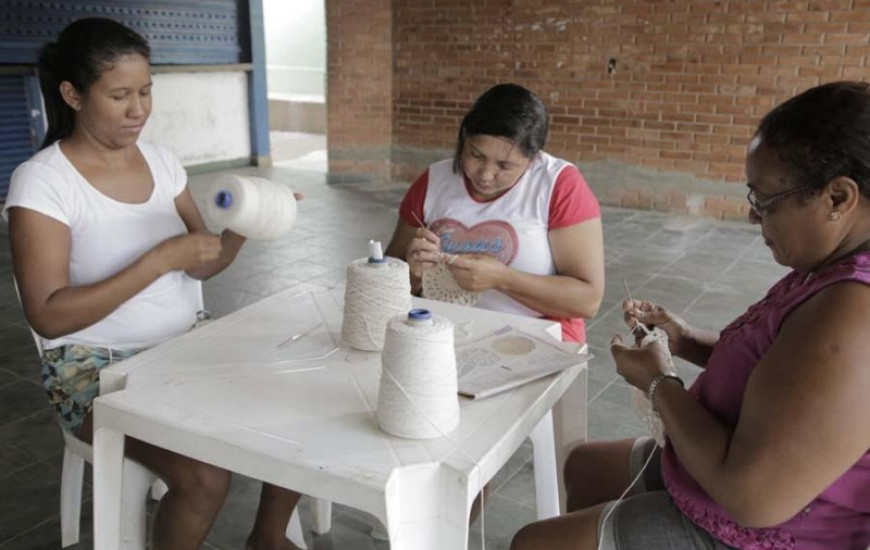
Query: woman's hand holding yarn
x=655 y=316
x=639 y=365
x=424 y=251
x=187 y=251
x=477 y=272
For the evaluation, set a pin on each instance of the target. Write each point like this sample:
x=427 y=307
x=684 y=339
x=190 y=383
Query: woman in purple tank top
x=768 y=449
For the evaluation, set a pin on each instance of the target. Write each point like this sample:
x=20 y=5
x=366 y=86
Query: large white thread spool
x=250 y=206
x=417 y=397
x=377 y=289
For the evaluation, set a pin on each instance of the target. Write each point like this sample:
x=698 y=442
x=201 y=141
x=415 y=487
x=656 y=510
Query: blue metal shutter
x=17 y=138
x=181 y=32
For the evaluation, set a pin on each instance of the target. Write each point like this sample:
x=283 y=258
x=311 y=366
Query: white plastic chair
x=137 y=481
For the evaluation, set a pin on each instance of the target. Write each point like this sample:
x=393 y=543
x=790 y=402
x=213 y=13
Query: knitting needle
x=628 y=297
x=447 y=257
x=416 y=217
x=297 y=336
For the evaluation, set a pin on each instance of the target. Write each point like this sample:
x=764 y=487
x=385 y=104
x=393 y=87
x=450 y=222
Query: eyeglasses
x=763 y=207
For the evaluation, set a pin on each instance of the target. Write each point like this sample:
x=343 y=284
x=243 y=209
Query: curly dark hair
x=83 y=51
x=823 y=133
x=509 y=111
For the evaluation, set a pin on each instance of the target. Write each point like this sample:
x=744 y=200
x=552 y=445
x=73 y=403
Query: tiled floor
x=706 y=270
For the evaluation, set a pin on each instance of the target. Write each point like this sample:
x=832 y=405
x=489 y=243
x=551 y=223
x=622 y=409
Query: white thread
x=622 y=496
x=254 y=207
x=374 y=294
x=640 y=401
x=418 y=398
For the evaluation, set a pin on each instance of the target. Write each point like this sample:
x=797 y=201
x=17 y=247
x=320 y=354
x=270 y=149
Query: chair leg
x=137 y=482
x=379 y=532
x=158 y=489
x=71 y=497
x=546 y=475
x=294 y=530
x=322 y=516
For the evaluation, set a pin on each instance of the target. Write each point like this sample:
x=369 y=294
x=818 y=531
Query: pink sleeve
x=572 y=201
x=411 y=208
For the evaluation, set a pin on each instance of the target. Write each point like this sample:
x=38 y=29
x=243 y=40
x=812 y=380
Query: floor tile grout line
x=639 y=287
x=30 y=529
x=598 y=394
x=518 y=502
x=737 y=259
x=514 y=474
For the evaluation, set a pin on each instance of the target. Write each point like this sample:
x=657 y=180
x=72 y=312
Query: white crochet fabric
x=439 y=284
x=651 y=420
x=641 y=403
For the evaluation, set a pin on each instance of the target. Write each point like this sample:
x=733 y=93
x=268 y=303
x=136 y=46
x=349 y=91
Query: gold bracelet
x=651 y=391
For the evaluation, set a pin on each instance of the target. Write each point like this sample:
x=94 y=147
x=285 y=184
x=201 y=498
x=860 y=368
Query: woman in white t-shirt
x=108 y=249
x=508 y=221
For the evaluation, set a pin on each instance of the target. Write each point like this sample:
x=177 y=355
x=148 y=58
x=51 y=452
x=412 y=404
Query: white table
x=221 y=395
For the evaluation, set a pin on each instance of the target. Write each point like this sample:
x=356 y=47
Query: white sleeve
x=173 y=169
x=38 y=187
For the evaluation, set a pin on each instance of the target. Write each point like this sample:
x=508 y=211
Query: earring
x=834 y=216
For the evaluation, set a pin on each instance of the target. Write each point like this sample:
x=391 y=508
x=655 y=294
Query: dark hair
x=82 y=52
x=509 y=111
x=823 y=133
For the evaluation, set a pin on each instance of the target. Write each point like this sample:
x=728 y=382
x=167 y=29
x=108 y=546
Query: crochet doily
x=641 y=403
x=439 y=284
x=651 y=420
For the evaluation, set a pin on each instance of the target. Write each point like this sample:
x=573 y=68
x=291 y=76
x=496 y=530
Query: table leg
x=428 y=508
x=108 y=484
x=322 y=516
x=569 y=425
x=546 y=478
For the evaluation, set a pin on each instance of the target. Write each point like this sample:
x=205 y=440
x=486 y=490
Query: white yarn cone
x=376 y=291
x=417 y=397
x=250 y=206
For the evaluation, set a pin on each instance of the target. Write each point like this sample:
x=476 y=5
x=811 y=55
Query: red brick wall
x=693 y=77
x=359 y=77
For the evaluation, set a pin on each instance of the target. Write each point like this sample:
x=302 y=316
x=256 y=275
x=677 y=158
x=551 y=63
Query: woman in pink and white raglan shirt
x=516 y=224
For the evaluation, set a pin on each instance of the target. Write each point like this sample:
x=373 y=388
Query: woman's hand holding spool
x=186 y=252
x=477 y=272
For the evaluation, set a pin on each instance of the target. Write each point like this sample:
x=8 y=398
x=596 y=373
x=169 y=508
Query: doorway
x=295 y=34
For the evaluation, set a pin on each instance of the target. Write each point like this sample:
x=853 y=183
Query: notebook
x=508 y=358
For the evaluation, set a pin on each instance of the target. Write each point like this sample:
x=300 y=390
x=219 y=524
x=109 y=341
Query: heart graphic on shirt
x=495 y=237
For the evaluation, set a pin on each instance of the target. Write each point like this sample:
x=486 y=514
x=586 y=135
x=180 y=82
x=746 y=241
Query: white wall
x=202 y=117
x=295 y=47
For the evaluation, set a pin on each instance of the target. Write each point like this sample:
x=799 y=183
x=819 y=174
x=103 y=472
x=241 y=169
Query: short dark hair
x=823 y=133
x=83 y=51
x=509 y=111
